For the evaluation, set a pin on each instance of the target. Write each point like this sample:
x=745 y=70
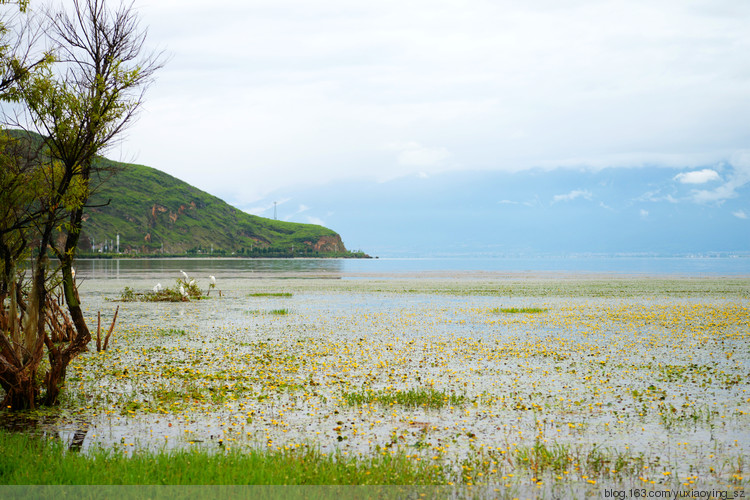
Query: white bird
x=192 y=282
x=157 y=287
x=73 y=272
x=184 y=274
x=182 y=291
x=213 y=279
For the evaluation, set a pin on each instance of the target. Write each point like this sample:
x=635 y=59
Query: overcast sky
x=259 y=95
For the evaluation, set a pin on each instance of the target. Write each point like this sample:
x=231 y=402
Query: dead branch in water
x=99 y=346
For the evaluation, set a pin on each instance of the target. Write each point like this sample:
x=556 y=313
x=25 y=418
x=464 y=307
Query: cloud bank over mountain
x=414 y=125
x=266 y=94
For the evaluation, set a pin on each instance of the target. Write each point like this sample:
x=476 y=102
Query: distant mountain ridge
x=155 y=213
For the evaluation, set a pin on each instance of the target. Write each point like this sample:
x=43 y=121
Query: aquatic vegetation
x=594 y=462
x=427 y=397
x=185 y=289
x=594 y=391
x=272 y=294
x=166 y=332
x=518 y=310
x=129 y=295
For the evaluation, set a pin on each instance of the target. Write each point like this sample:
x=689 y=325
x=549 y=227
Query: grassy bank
x=32 y=460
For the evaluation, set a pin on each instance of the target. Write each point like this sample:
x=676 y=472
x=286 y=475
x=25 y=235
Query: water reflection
x=406 y=267
x=221 y=268
x=72 y=432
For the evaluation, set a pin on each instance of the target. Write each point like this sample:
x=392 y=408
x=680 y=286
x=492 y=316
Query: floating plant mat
x=640 y=388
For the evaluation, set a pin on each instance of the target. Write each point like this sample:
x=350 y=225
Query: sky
x=282 y=100
x=566 y=211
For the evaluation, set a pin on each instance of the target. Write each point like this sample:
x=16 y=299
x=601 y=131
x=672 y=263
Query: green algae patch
x=413 y=397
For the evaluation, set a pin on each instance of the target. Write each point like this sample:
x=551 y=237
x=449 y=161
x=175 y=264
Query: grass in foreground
x=32 y=460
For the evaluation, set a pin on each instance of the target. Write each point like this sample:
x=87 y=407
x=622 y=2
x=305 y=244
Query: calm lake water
x=414 y=267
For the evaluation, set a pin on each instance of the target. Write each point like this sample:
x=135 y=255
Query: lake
x=417 y=267
x=512 y=373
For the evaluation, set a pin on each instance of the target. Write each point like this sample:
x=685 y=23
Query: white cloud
x=644 y=213
x=740 y=214
x=413 y=154
x=656 y=196
x=535 y=202
x=265 y=210
x=576 y=193
x=302 y=92
x=300 y=209
x=697 y=176
x=315 y=220
x=718 y=195
x=738 y=178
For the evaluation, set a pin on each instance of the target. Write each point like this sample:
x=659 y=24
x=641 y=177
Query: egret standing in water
x=212 y=285
x=157 y=287
x=184 y=274
x=182 y=291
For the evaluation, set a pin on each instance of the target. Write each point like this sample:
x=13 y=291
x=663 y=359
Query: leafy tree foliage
x=70 y=104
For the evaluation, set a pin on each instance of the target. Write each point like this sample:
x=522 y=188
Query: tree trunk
x=56 y=374
x=60 y=357
x=22 y=394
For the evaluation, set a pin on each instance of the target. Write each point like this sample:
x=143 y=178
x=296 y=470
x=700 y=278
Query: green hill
x=155 y=213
